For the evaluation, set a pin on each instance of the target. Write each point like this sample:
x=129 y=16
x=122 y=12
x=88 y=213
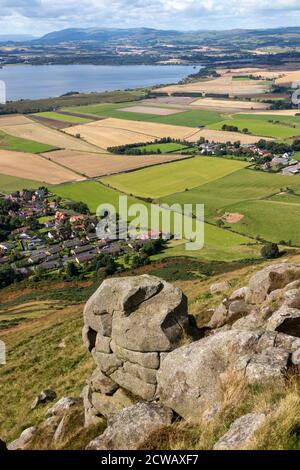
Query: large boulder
x=285 y=320
x=128 y=429
x=24 y=440
x=241 y=432
x=269 y=279
x=189 y=377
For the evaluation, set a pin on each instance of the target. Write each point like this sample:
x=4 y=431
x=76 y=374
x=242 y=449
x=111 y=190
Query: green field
x=257 y=127
x=9 y=184
x=17 y=144
x=173 y=177
x=63 y=117
x=191 y=118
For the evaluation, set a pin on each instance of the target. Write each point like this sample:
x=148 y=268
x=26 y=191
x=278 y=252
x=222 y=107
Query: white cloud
x=40 y=16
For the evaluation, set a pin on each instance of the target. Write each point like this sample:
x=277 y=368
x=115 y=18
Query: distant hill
x=16 y=37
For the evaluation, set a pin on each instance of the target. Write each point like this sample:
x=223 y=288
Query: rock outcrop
x=128 y=429
x=130 y=324
x=241 y=432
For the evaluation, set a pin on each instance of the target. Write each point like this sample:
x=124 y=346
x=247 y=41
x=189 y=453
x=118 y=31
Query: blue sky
x=38 y=17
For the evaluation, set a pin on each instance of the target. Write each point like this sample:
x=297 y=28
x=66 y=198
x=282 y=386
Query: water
x=45 y=81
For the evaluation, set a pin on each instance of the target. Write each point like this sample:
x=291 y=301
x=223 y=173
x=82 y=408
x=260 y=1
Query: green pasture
x=17 y=144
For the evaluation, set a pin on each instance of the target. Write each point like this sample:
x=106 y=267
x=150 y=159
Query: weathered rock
x=241 y=432
x=103 y=344
x=292 y=298
x=228 y=314
x=285 y=320
x=189 y=377
x=100 y=382
x=64 y=404
x=135 y=385
x=108 y=363
x=128 y=429
x=239 y=294
x=89 y=337
x=270 y=364
x=219 y=317
x=149 y=360
x=219 y=287
x=43 y=397
x=24 y=439
x=290 y=343
x=106 y=405
x=296 y=357
x=142 y=373
x=155 y=325
x=91 y=415
x=269 y=279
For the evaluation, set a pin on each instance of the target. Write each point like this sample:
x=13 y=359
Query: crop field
x=9 y=184
x=33 y=131
x=228 y=105
x=186 y=116
x=63 y=117
x=93 y=164
x=260 y=125
x=223 y=136
x=33 y=167
x=17 y=144
x=164 y=148
x=221 y=85
x=162 y=180
x=151 y=110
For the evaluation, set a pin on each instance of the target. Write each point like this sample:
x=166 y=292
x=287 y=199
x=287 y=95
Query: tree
x=270 y=251
x=72 y=270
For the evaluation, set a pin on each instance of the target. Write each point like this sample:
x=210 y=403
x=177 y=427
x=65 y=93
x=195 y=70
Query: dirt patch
x=151 y=110
x=92 y=165
x=232 y=217
x=52 y=122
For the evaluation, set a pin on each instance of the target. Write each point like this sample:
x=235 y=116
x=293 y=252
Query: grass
x=264 y=129
x=191 y=118
x=9 y=184
x=17 y=144
x=90 y=192
x=63 y=117
x=173 y=177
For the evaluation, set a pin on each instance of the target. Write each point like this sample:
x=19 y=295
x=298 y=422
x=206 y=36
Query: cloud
x=40 y=16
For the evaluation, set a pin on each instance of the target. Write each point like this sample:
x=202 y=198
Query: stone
x=108 y=363
x=89 y=337
x=296 y=357
x=142 y=373
x=135 y=385
x=155 y=325
x=64 y=404
x=290 y=343
x=275 y=295
x=269 y=279
x=43 y=397
x=267 y=340
x=239 y=294
x=219 y=287
x=292 y=298
x=100 y=382
x=219 y=317
x=106 y=405
x=149 y=360
x=285 y=320
x=103 y=344
x=91 y=415
x=228 y=313
x=241 y=432
x=251 y=322
x=130 y=428
x=24 y=439
x=189 y=377
x=270 y=364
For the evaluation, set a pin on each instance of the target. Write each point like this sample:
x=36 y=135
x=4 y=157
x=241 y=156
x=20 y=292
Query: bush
x=270 y=251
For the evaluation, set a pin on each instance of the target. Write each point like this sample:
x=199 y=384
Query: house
x=291 y=170
x=91 y=237
x=50 y=265
x=73 y=243
x=54 y=250
x=82 y=249
x=37 y=257
x=84 y=257
x=279 y=161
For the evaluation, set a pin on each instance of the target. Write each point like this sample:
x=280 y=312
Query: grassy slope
x=9 y=184
x=167 y=179
x=9 y=142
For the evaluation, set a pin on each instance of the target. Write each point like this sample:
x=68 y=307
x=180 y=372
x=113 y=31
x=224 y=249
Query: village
x=56 y=236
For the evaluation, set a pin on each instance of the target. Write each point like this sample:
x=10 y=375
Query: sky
x=38 y=17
